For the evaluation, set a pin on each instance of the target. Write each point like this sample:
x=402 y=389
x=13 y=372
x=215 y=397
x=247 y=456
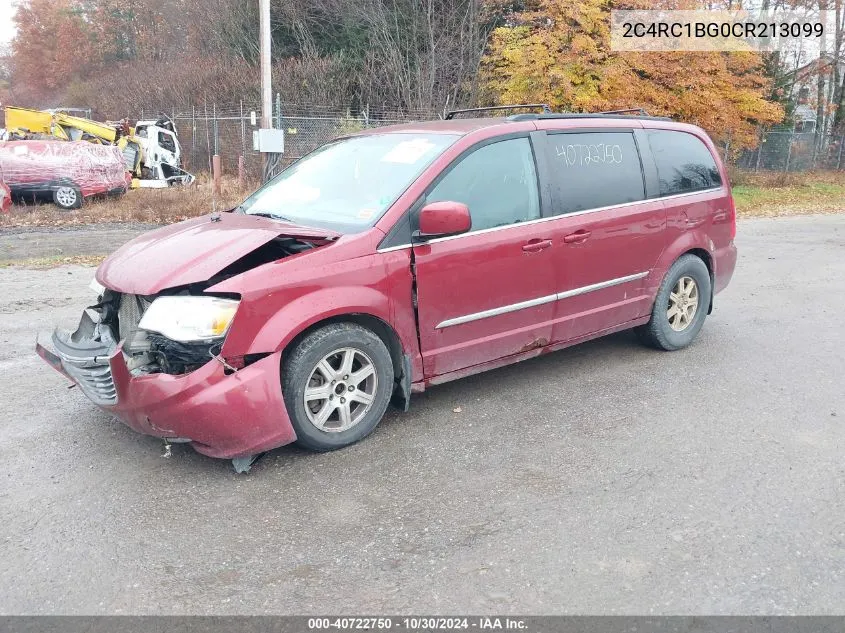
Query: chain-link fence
x=788 y=150
x=208 y=129
x=227 y=130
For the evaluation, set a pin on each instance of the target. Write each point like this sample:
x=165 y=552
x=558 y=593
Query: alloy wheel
x=66 y=196
x=340 y=390
x=683 y=304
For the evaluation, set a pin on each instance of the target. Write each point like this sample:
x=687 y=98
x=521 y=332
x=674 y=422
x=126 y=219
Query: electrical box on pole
x=268 y=141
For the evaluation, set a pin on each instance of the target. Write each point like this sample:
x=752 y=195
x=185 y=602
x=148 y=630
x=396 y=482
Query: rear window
x=594 y=169
x=684 y=164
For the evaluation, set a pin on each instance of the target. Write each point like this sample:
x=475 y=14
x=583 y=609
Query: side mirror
x=440 y=219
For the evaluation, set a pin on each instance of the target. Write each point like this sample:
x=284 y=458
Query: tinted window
x=684 y=163
x=594 y=169
x=497 y=182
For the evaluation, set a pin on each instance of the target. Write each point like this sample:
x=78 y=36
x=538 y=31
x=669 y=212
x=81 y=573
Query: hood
x=193 y=251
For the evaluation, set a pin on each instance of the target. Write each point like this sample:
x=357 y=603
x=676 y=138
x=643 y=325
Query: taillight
x=733 y=217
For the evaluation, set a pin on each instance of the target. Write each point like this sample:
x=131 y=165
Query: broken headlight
x=189 y=318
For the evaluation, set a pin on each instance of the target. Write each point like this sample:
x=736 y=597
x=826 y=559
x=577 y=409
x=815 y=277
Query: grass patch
x=43 y=263
x=153 y=206
x=777 y=194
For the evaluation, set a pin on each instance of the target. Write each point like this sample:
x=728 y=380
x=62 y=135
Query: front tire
x=680 y=307
x=337 y=383
x=67 y=197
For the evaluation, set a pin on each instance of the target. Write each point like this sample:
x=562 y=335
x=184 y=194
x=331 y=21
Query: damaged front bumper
x=224 y=414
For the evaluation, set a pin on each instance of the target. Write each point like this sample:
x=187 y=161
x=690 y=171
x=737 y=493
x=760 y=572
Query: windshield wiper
x=272 y=216
x=332 y=234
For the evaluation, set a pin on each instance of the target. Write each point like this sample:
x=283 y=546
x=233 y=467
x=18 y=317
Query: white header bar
x=808 y=33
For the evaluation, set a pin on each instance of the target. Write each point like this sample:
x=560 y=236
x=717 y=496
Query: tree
x=423 y=53
x=559 y=53
x=50 y=50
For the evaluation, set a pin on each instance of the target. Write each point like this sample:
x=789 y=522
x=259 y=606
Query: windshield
x=347 y=185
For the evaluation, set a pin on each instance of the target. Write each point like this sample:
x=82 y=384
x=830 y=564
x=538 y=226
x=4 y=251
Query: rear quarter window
x=590 y=170
x=684 y=164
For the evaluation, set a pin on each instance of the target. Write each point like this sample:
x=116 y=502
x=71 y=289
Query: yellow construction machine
x=150 y=149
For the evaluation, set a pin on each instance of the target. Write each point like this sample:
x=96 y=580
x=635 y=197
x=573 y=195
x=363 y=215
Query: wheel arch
x=705 y=256
x=382 y=329
x=686 y=243
x=63 y=182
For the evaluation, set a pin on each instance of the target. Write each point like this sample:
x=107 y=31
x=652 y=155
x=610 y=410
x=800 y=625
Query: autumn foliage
x=51 y=46
x=121 y=56
x=559 y=53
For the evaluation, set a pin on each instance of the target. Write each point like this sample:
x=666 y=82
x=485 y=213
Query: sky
x=7 y=29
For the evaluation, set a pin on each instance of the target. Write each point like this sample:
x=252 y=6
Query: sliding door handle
x=577 y=237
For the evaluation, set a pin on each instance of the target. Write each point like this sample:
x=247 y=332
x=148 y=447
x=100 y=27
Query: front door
x=489 y=293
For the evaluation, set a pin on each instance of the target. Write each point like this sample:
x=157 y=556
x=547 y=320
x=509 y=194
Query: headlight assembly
x=187 y=318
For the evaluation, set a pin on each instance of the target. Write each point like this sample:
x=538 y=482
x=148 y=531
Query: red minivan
x=399 y=258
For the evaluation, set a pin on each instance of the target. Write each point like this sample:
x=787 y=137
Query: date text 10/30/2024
x=416 y=623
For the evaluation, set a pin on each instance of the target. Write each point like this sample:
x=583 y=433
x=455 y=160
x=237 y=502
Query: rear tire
x=337 y=383
x=681 y=306
x=67 y=197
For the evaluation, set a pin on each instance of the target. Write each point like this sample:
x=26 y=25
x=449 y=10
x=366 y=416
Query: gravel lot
x=607 y=478
x=21 y=243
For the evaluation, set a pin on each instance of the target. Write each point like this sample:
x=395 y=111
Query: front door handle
x=535 y=246
x=577 y=237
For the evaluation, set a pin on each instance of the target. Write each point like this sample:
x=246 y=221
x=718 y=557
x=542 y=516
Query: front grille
x=130 y=311
x=93 y=378
x=85 y=352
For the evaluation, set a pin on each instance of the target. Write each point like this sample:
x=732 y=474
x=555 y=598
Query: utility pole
x=266 y=81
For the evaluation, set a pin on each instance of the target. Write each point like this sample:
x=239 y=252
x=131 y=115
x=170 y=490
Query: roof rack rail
x=634 y=113
x=545 y=106
x=640 y=111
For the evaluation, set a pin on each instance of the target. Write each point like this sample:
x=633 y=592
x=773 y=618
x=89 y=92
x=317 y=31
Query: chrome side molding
x=531 y=303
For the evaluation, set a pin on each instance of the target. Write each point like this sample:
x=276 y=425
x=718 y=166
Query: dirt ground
x=22 y=243
x=607 y=478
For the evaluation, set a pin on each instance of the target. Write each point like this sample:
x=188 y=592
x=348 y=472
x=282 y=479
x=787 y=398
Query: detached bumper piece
x=223 y=414
x=85 y=358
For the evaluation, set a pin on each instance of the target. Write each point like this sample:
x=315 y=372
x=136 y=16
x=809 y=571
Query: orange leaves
x=50 y=45
x=61 y=44
x=560 y=54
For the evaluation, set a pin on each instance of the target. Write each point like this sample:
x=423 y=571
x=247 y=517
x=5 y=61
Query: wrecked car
x=62 y=172
x=400 y=258
x=150 y=150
